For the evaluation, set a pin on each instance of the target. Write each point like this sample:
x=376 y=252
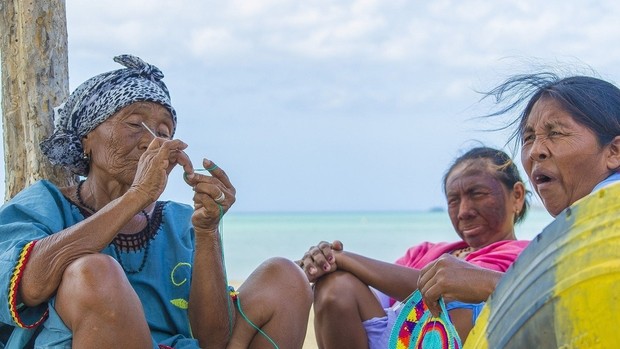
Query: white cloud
x=252 y=9
x=461 y=34
x=210 y=41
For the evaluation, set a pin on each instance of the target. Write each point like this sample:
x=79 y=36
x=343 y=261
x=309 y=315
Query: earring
x=86 y=156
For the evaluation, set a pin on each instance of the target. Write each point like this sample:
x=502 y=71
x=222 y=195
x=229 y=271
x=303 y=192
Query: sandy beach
x=310 y=342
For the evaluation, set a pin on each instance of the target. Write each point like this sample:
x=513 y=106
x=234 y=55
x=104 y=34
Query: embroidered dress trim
x=136 y=242
x=14 y=286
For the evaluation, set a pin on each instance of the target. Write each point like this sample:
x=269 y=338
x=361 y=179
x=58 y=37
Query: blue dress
x=162 y=285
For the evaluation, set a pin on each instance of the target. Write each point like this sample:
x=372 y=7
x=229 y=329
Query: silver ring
x=220 y=198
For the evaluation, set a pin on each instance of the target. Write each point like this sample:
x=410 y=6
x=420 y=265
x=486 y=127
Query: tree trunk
x=33 y=39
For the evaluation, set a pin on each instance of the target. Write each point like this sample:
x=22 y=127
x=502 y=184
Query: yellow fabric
x=584 y=297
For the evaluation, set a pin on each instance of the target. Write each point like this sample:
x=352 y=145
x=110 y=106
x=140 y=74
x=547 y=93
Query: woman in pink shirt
x=354 y=295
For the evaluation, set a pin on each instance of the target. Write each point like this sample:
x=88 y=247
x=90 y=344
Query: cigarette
x=149 y=129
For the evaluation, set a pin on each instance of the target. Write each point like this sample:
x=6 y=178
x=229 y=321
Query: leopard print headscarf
x=96 y=100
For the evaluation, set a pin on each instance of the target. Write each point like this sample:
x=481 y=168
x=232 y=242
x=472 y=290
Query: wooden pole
x=35 y=79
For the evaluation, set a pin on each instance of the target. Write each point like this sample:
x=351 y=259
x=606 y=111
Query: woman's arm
x=394 y=280
x=211 y=312
x=51 y=256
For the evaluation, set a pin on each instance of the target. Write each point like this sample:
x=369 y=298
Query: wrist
x=491 y=283
x=341 y=260
x=207 y=232
x=137 y=197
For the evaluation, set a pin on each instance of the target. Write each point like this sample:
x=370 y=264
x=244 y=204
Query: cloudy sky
x=337 y=105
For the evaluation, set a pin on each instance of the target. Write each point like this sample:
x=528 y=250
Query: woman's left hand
x=320 y=259
x=455 y=279
x=213 y=196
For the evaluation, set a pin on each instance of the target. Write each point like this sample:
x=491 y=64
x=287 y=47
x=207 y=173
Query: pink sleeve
x=497 y=256
x=413 y=254
x=419 y=256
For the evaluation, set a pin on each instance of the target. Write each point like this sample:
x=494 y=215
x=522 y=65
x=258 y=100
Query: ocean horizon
x=252 y=237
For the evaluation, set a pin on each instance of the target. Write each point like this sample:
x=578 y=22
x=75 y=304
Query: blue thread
x=230 y=289
x=213 y=167
x=221 y=228
x=205 y=169
x=253 y=325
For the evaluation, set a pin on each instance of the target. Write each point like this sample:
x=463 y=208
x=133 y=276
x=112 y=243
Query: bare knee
x=278 y=286
x=279 y=277
x=93 y=283
x=329 y=291
x=281 y=267
x=95 y=273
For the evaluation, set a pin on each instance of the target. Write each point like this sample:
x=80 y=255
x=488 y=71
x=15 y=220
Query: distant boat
x=564 y=289
x=436 y=209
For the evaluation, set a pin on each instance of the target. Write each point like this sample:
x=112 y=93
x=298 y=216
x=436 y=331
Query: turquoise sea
x=250 y=238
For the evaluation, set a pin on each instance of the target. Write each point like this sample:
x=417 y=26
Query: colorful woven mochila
x=415 y=327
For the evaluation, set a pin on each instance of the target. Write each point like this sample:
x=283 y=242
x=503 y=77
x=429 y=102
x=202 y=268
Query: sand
x=310 y=342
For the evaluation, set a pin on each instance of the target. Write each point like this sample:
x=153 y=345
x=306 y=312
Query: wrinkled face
x=481 y=208
x=562 y=158
x=116 y=145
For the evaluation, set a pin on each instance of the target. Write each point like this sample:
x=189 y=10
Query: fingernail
x=312 y=270
x=326 y=267
x=331 y=259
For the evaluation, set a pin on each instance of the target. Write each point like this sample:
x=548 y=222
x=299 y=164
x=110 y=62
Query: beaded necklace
x=117 y=251
x=462 y=252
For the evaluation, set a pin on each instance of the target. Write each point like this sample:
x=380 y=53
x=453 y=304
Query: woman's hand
x=155 y=165
x=320 y=259
x=455 y=279
x=213 y=196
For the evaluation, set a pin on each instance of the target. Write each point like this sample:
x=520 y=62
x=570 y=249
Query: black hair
x=592 y=102
x=507 y=171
